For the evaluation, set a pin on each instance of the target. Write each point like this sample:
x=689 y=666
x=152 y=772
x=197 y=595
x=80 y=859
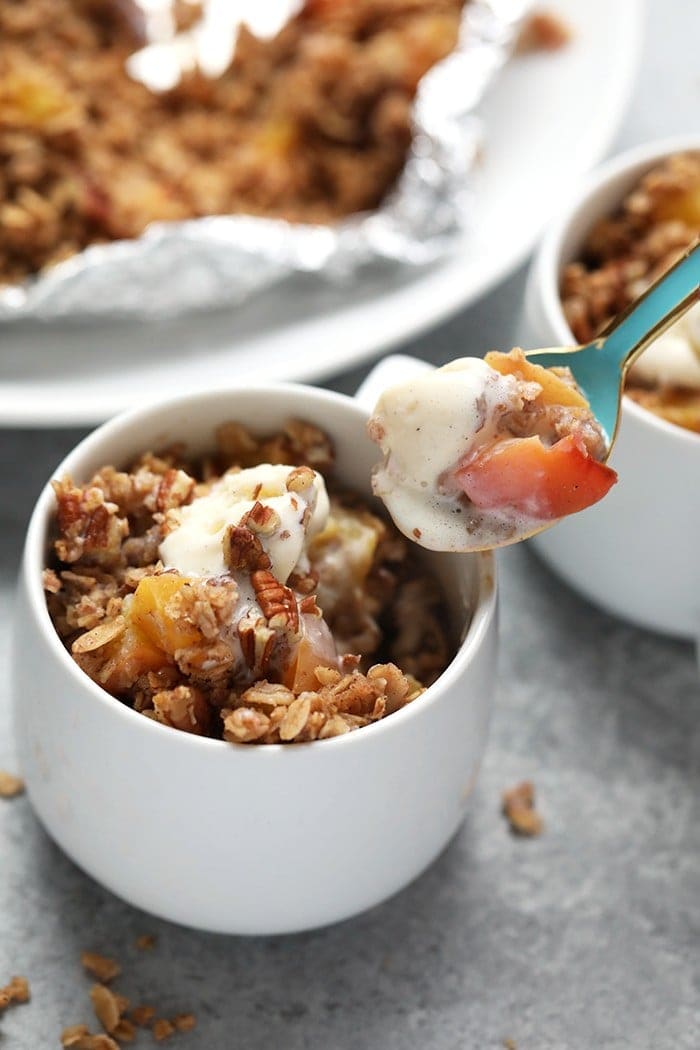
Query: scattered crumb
x=543 y=31
x=142 y=1015
x=125 y=1031
x=184 y=1022
x=510 y=1044
x=162 y=1029
x=73 y=1033
x=518 y=805
x=79 y=1037
x=10 y=785
x=146 y=942
x=106 y=1006
x=14 y=993
x=100 y=966
x=110 y=1008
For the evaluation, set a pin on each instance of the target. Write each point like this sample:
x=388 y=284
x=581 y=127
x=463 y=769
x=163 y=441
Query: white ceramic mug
x=637 y=552
x=242 y=838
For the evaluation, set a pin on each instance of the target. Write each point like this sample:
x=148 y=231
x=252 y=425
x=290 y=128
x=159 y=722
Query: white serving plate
x=549 y=118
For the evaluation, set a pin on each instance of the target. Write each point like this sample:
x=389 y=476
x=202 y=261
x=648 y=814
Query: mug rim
x=34 y=561
x=548 y=261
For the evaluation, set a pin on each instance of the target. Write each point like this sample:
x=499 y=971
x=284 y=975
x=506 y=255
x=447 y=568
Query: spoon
x=600 y=367
x=516 y=488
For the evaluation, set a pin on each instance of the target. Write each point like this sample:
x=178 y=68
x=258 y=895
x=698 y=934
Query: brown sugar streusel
x=353 y=633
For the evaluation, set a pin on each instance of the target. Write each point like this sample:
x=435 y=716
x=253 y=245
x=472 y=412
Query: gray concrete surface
x=587 y=937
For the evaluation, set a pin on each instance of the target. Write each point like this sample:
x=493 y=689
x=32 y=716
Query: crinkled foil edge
x=173 y=268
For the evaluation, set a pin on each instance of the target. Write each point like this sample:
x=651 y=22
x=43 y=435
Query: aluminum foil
x=176 y=267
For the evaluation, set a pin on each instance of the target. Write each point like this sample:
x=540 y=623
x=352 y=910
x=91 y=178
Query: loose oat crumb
x=125 y=1032
x=518 y=805
x=10 y=785
x=510 y=1044
x=14 y=993
x=146 y=942
x=106 y=1006
x=184 y=1022
x=71 y=1035
x=100 y=966
x=79 y=1037
x=142 y=1015
x=162 y=1029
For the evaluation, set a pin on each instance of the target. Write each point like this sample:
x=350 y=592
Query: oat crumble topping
x=354 y=632
x=310 y=125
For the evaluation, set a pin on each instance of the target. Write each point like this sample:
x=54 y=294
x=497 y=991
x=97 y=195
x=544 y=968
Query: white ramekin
x=637 y=552
x=237 y=838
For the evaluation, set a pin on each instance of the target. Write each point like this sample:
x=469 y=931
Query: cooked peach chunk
x=543 y=483
x=682 y=206
x=555 y=390
x=155 y=614
x=315 y=648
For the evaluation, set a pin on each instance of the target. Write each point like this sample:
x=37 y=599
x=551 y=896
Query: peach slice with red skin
x=523 y=475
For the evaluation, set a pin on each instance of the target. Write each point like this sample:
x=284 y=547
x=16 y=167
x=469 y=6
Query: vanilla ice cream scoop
x=195 y=546
x=425 y=427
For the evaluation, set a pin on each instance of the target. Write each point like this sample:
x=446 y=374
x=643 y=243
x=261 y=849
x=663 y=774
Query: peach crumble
x=657 y=221
x=311 y=124
x=244 y=596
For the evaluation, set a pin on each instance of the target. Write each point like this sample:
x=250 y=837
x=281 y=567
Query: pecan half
x=243 y=551
x=278 y=604
x=300 y=479
x=261 y=519
x=257 y=641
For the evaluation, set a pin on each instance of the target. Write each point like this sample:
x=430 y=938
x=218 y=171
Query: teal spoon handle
x=600 y=367
x=643 y=322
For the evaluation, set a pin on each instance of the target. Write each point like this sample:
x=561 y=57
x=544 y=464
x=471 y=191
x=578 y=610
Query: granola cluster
x=624 y=253
x=243 y=655
x=310 y=125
